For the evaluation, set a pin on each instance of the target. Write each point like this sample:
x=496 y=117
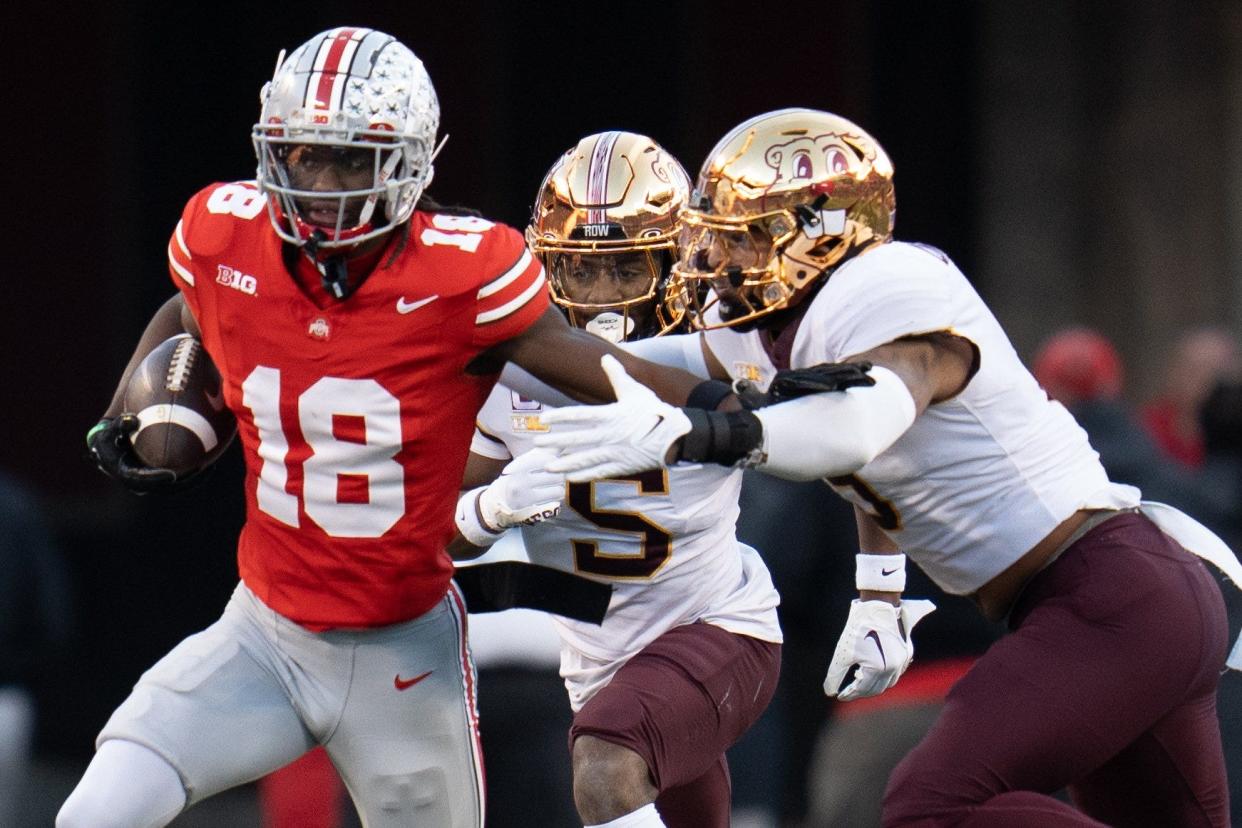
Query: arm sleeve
x=684 y=351
x=488 y=445
x=835 y=433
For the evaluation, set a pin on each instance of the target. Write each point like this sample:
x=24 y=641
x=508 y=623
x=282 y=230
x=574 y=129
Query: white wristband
x=880 y=573
x=468 y=522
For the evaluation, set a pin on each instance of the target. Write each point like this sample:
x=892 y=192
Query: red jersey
x=355 y=418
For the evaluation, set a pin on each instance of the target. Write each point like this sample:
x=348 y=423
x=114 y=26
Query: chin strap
x=333 y=272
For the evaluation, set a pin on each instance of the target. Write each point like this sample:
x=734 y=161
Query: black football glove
x=799 y=382
x=109 y=448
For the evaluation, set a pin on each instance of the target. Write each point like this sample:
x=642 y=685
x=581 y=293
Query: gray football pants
x=394 y=707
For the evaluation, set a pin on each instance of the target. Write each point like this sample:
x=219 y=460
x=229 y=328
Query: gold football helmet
x=782 y=199
x=605 y=224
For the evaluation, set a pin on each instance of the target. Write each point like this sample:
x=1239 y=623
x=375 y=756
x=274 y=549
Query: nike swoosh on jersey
x=216 y=400
x=406 y=684
x=405 y=307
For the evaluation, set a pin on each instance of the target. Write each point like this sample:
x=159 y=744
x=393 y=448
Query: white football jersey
x=664 y=539
x=979 y=479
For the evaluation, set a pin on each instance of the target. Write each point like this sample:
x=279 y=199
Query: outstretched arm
x=823 y=434
x=834 y=433
x=568 y=359
x=687 y=351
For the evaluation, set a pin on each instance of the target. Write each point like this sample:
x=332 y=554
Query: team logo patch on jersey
x=519 y=403
x=319 y=329
x=231 y=277
x=747 y=371
x=525 y=416
x=524 y=423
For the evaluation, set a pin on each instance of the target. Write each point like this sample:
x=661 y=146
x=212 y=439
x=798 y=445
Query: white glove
x=631 y=435
x=877 y=640
x=524 y=493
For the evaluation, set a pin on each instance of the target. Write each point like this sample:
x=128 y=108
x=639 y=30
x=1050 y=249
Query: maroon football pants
x=679 y=704
x=1105 y=685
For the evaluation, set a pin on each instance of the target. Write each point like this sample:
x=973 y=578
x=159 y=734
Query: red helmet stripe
x=329 y=65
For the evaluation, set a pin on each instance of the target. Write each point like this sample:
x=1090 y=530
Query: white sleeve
x=490 y=426
x=526 y=384
x=684 y=351
x=489 y=446
x=835 y=433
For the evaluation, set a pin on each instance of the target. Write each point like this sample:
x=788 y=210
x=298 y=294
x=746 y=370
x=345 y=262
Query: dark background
x=1017 y=130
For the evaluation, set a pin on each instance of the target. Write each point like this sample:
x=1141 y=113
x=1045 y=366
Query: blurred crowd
x=808 y=762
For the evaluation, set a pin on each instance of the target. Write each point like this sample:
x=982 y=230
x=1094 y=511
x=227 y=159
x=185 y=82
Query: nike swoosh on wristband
x=874 y=636
x=887 y=572
x=406 y=684
x=405 y=307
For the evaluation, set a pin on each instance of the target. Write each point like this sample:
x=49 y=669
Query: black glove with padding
x=109 y=449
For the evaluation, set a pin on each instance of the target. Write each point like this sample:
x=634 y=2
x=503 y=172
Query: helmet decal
x=782 y=200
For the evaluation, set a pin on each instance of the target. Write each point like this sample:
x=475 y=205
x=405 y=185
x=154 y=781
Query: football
x=177 y=394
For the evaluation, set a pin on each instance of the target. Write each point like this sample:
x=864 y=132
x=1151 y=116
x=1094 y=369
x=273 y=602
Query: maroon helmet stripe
x=597 y=176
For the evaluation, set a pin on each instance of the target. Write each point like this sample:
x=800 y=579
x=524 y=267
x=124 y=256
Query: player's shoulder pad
x=471 y=251
x=216 y=214
x=889 y=267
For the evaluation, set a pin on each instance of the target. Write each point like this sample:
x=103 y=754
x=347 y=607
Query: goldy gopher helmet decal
x=781 y=200
x=616 y=197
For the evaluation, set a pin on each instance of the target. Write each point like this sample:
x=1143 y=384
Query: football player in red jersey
x=357 y=330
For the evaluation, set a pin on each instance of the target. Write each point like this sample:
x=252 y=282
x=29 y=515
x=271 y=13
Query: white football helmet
x=356 y=94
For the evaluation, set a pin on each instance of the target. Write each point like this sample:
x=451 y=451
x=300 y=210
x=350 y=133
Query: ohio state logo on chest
x=234 y=278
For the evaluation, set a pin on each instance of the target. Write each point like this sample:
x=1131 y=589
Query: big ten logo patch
x=524 y=416
x=231 y=277
x=748 y=371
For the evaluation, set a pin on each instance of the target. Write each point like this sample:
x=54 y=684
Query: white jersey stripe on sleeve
x=513 y=304
x=183 y=272
x=507 y=278
x=181 y=242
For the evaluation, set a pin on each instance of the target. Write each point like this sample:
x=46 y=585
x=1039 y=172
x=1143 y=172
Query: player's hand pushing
x=637 y=432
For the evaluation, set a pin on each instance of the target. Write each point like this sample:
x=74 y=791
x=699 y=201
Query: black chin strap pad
x=335 y=276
